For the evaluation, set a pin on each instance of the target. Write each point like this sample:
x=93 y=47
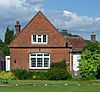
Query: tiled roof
x=77 y=42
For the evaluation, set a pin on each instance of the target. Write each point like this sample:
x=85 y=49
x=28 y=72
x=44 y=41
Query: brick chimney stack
x=17 y=27
x=93 y=37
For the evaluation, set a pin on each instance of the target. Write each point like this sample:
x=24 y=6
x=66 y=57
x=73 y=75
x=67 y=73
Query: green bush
x=22 y=74
x=58 y=74
x=58 y=71
x=61 y=64
x=40 y=75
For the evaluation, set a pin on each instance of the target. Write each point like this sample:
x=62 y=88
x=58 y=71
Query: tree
x=89 y=64
x=4 y=48
x=9 y=36
x=1 y=41
x=94 y=46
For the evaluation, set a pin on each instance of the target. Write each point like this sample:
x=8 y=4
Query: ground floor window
x=39 y=61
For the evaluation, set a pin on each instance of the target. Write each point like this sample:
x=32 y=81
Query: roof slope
x=77 y=42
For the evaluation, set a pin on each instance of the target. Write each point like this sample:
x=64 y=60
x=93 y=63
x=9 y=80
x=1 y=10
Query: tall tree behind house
x=9 y=36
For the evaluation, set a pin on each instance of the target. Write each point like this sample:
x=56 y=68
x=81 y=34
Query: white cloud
x=20 y=3
x=13 y=8
x=23 y=10
x=69 y=20
x=82 y=25
x=76 y=20
x=97 y=19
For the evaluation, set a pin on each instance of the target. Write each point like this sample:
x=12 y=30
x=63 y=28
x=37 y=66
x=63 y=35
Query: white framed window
x=39 y=61
x=39 y=39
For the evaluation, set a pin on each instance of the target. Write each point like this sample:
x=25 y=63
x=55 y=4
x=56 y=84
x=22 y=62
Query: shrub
x=40 y=75
x=6 y=75
x=61 y=64
x=22 y=74
x=58 y=74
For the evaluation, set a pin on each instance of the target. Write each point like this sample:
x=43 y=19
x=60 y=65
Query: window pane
x=34 y=38
x=33 y=62
x=46 y=54
x=39 y=62
x=39 y=35
x=46 y=62
x=39 y=54
x=44 y=38
x=33 y=54
x=39 y=39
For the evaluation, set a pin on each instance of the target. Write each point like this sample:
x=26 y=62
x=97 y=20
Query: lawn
x=51 y=89
x=50 y=86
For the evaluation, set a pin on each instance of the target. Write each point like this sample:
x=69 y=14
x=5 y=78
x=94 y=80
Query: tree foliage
x=4 y=48
x=94 y=46
x=9 y=35
x=90 y=61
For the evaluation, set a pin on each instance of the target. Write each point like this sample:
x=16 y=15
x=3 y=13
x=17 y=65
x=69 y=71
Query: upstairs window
x=39 y=39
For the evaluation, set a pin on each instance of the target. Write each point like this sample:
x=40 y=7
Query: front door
x=76 y=57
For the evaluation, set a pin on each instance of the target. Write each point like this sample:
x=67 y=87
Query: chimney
x=93 y=37
x=17 y=27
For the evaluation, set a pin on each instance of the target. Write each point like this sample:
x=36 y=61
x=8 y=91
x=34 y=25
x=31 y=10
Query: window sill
x=38 y=43
x=38 y=68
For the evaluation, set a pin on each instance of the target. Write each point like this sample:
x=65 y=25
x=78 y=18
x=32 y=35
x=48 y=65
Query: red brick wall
x=22 y=56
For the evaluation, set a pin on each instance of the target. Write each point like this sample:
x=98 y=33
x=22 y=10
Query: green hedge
x=40 y=75
x=58 y=74
x=57 y=71
x=61 y=64
x=22 y=74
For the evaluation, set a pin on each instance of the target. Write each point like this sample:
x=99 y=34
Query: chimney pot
x=17 y=22
x=93 y=37
x=17 y=27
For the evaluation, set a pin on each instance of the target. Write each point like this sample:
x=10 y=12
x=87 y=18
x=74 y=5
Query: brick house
x=37 y=45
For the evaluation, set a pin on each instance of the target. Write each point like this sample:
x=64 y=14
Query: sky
x=79 y=17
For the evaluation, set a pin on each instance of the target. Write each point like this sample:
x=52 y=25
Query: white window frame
x=43 y=57
x=39 y=36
